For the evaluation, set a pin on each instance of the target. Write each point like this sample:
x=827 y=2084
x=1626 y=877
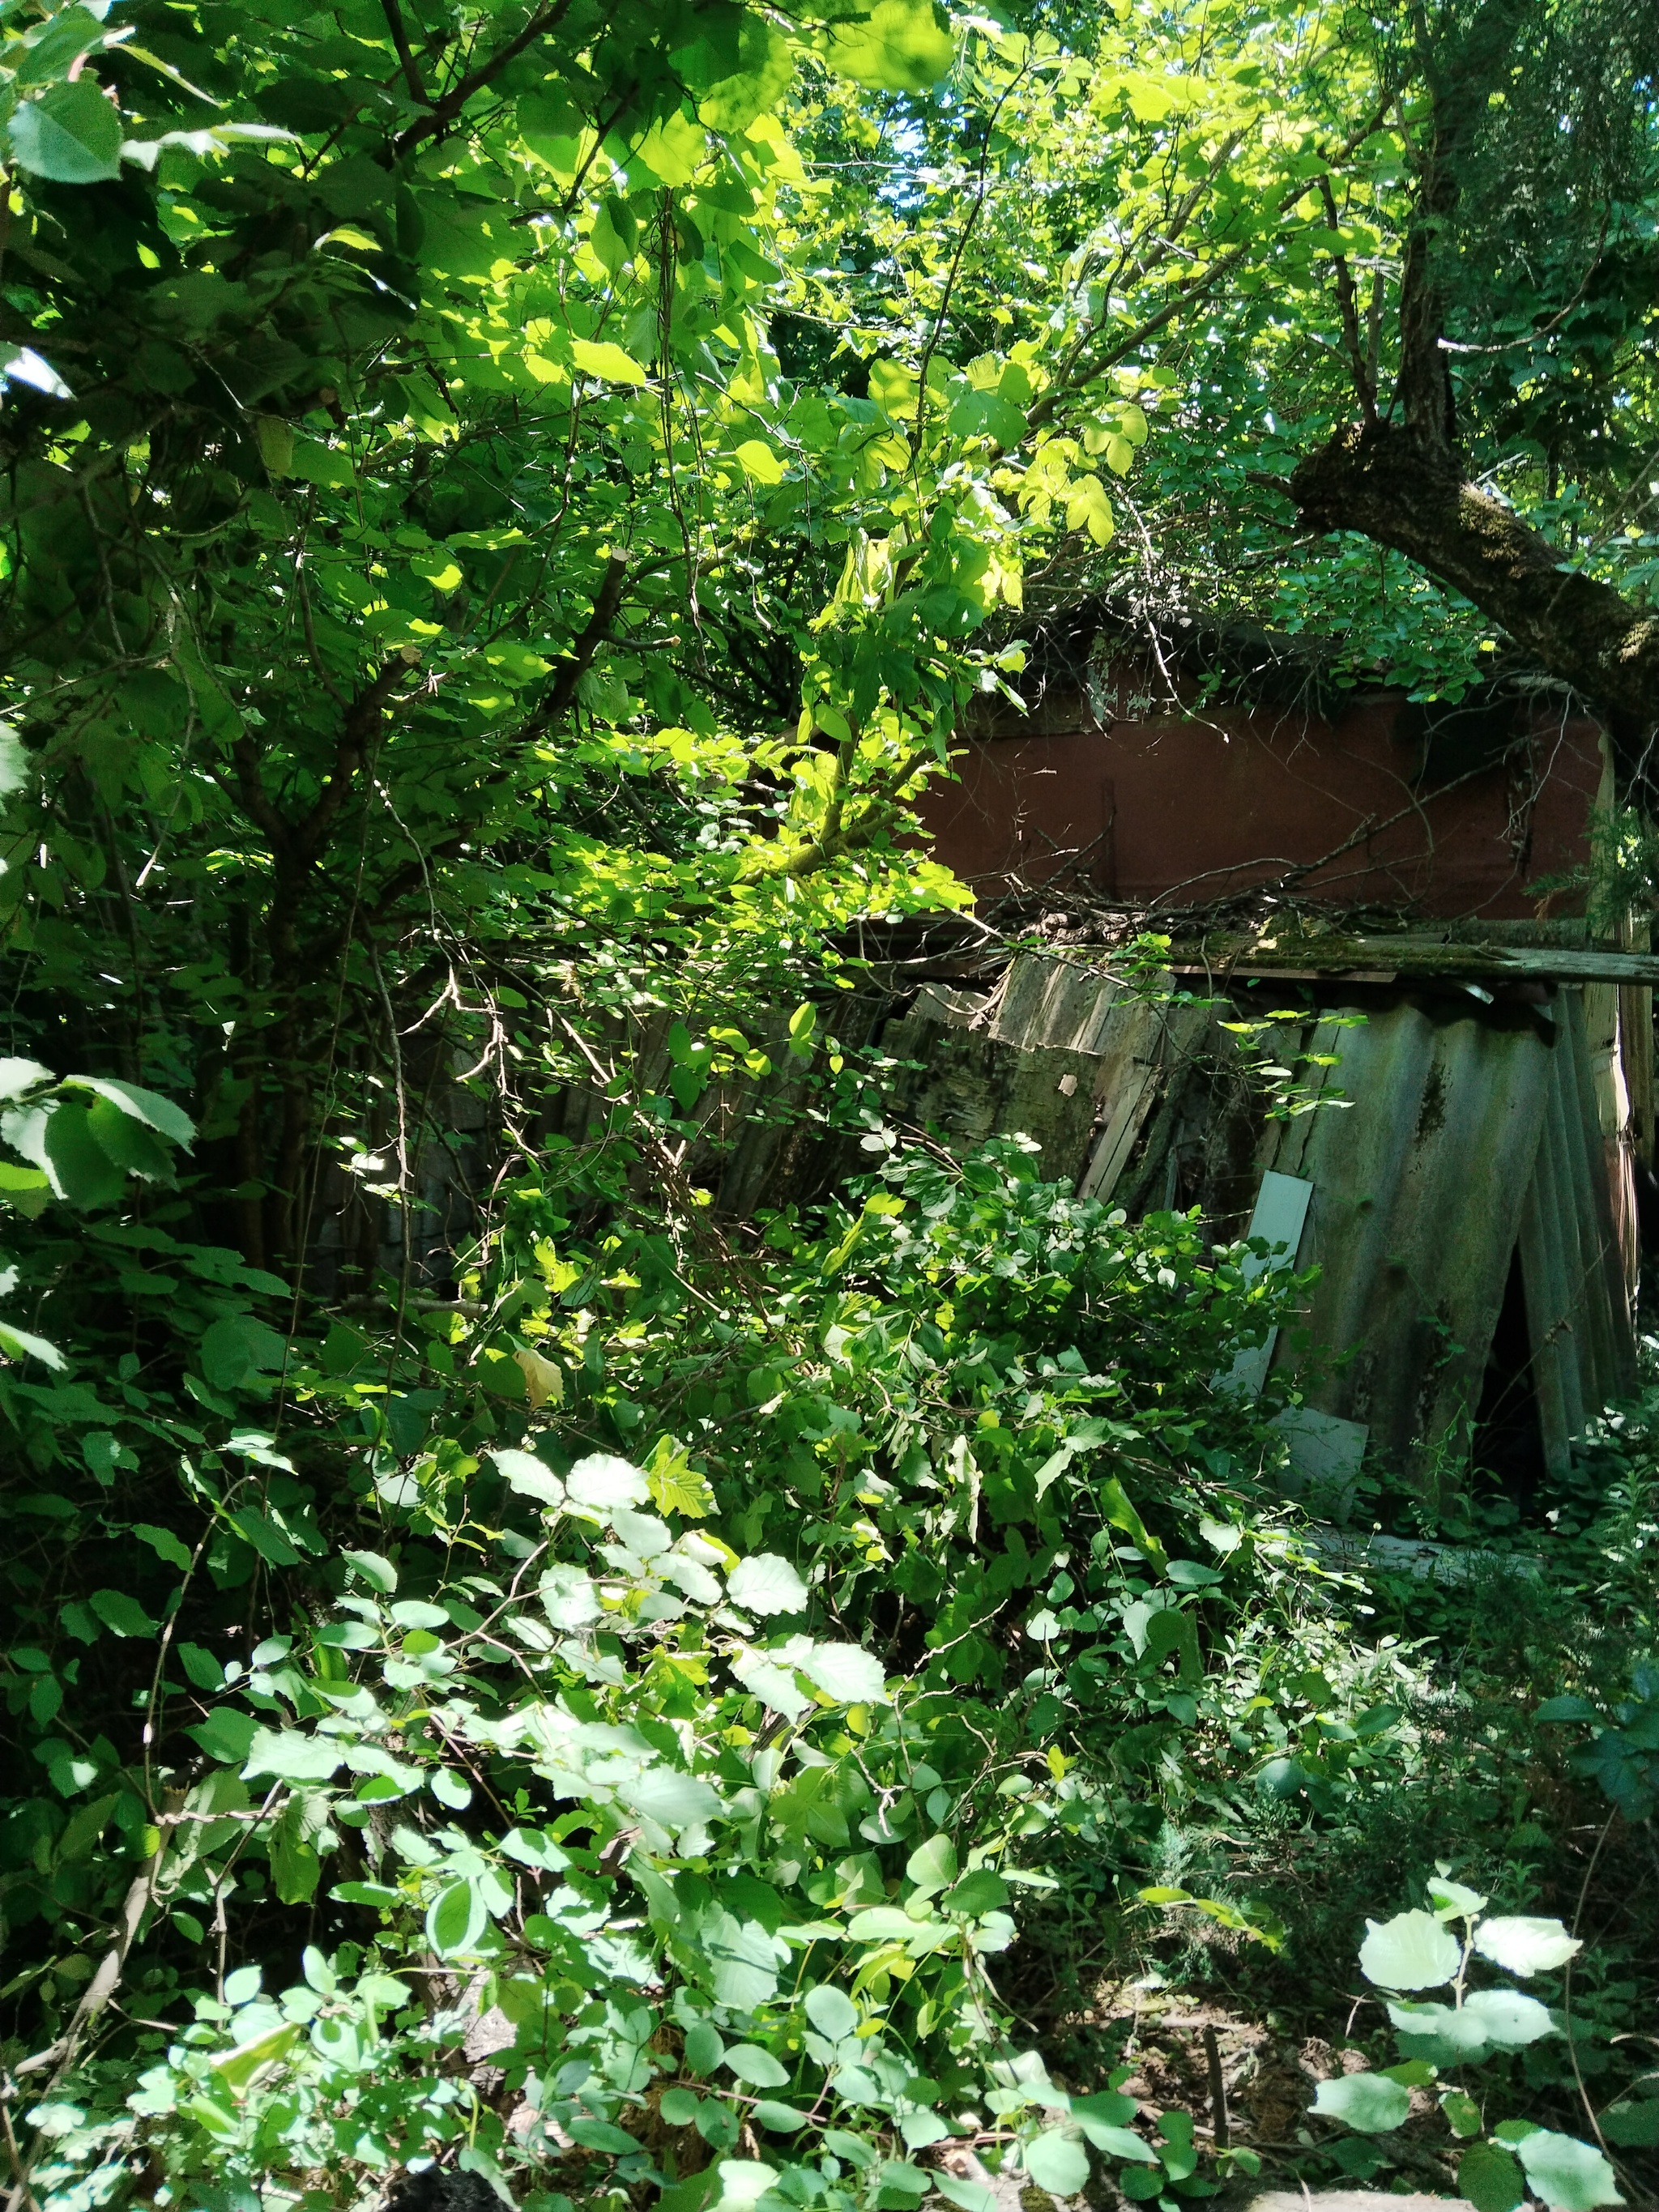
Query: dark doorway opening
x=1508 y=1439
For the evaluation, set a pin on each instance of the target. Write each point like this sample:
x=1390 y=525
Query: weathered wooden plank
x=1379 y=958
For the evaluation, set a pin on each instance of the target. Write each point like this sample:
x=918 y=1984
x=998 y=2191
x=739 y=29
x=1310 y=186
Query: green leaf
x=758 y=462
x=236 y=1347
x=976 y=414
x=933 y=1866
x=24 y=364
x=1171 y=1634
x=1413 y=2074
x=260 y=1532
x=1507 y=2020
x=255 y=1445
x=756 y=2067
x=1522 y=1945
x=774 y=1685
x=1489 y=2020
x=741 y=2183
x=17 y=1076
x=1439 y=2034
x=1105 y=2107
x=70 y=136
x=1056 y=2162
x=1187 y=1574
x=291 y=1757
x=883 y=1923
x=833 y=2012
x=1369 y=2102
x=1411 y=1951
x=292 y=1847
x=766 y=1584
x=676 y=1487
x=163 y=1543
x=671 y=1799
x=1634 y=2126
x=376 y=1894
x=1568 y=2175
x=227 y=1734
x=894 y=389
x=205 y=1671
x=55 y=1135
x=601 y=359
x=126 y=1143
x=456 y=1920
x=1107 y=2135
x=898 y=46
x=703 y=2048
x=846 y=1673
x=237 y=2067
x=733 y=102
x=1490 y=2178
x=674 y=149
x=529 y=1476
x=379 y=1574
x=415 y=1612
x=782 y=2119
x=977 y=1892
x=84 y=1830
x=568 y=1596
x=972 y=2196
x=599 y=2135
x=19 y=1344
x=146 y=1106
x=327 y=466
x=1453 y=1901
x=602 y=1480
x=121 y=1613
x=1462 y=2113
x=1116 y=1507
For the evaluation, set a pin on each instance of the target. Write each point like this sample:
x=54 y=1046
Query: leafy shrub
x=1418 y=1951
x=720 y=1900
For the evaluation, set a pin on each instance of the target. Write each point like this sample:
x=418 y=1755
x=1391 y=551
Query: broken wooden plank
x=1388 y=959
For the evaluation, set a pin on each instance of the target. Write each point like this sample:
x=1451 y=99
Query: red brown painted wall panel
x=1185 y=812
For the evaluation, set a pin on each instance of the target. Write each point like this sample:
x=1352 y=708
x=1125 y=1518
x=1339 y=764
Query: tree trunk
x=1401 y=489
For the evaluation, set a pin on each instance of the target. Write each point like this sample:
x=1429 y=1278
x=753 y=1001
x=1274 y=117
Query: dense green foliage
x=504 y=508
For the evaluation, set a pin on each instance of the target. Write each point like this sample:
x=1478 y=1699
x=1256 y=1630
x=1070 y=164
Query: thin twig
x=1566 y=1985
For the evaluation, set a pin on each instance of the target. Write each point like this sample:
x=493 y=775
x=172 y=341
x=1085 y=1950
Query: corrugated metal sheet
x=1124 y=1049
x=1583 y=1350
x=1467 y=1131
x=1419 y=1189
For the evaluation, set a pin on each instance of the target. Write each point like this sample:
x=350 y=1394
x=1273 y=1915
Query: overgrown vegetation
x=512 y=1661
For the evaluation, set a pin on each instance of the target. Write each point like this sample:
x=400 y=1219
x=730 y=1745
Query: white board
x=1326 y=1453
x=1281 y=1210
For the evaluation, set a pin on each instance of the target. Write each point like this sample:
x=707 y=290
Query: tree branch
x=394 y=21
x=561 y=691
x=445 y=110
x=1348 y=306
x=1391 y=484
x=1423 y=389
x=359 y=729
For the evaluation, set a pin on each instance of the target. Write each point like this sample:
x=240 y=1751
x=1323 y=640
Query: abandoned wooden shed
x=1464 y=1110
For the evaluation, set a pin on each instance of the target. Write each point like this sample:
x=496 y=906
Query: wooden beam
x=1388 y=959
